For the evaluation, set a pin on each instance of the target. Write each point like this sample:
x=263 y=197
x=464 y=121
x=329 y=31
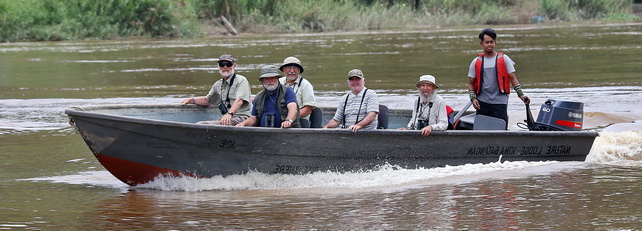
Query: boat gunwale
x=90 y=111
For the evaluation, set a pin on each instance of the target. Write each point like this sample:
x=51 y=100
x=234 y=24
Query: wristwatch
x=231 y=113
x=289 y=120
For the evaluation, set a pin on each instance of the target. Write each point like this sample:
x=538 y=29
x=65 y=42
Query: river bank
x=52 y=20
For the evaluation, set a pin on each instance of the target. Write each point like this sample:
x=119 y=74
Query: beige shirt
x=304 y=92
x=240 y=89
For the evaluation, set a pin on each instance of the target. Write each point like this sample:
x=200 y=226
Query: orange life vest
x=500 y=68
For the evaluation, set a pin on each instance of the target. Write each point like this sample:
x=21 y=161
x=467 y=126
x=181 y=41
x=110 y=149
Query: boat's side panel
x=215 y=150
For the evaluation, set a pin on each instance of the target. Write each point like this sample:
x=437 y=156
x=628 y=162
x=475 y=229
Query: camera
x=421 y=124
x=223 y=108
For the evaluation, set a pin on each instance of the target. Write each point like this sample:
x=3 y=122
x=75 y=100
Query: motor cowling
x=560 y=115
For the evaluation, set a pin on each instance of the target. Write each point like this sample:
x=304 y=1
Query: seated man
x=358 y=108
x=231 y=94
x=275 y=106
x=429 y=112
x=292 y=70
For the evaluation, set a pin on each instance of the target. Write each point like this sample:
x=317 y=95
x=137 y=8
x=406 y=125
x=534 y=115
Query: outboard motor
x=558 y=115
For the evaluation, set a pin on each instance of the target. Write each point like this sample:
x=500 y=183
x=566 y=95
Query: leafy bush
x=36 y=20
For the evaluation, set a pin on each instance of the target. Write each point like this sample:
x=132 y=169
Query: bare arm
x=227 y=118
x=305 y=111
x=471 y=87
x=332 y=124
x=196 y=100
x=365 y=122
x=238 y=102
x=292 y=107
x=515 y=82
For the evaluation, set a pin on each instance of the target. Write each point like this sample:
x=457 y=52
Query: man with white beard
x=275 y=105
x=429 y=112
x=231 y=94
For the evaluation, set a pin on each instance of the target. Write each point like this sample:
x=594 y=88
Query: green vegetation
x=51 y=20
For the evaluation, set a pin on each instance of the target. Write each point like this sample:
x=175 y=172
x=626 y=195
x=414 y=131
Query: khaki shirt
x=435 y=113
x=304 y=92
x=240 y=89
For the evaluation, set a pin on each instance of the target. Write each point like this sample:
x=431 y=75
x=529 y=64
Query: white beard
x=425 y=98
x=270 y=87
x=226 y=74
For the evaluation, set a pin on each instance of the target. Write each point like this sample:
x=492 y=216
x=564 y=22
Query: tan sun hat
x=292 y=61
x=269 y=71
x=427 y=79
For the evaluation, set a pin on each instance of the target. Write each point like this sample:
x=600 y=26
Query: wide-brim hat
x=268 y=71
x=427 y=79
x=292 y=61
x=356 y=73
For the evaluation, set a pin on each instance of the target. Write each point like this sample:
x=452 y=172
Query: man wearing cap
x=358 y=109
x=429 y=111
x=275 y=105
x=231 y=94
x=490 y=75
x=302 y=88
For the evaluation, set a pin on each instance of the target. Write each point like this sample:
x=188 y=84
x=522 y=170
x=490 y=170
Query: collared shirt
x=434 y=112
x=240 y=89
x=356 y=110
x=304 y=92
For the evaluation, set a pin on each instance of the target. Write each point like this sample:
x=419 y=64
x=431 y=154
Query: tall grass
x=573 y=10
x=37 y=20
x=338 y=15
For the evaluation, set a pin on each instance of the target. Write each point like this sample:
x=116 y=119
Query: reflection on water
x=534 y=198
x=50 y=180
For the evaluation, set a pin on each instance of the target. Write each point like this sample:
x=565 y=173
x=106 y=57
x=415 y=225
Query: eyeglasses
x=225 y=64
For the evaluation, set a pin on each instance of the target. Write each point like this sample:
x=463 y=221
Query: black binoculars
x=422 y=124
x=223 y=108
x=270 y=120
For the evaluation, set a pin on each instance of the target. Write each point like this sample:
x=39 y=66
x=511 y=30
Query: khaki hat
x=292 y=61
x=269 y=71
x=427 y=79
x=355 y=73
x=226 y=57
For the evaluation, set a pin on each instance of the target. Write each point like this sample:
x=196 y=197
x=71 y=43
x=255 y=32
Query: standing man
x=274 y=106
x=358 y=109
x=429 y=112
x=231 y=94
x=302 y=88
x=490 y=76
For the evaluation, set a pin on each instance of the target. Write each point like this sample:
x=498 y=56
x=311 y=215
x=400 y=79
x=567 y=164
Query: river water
x=50 y=180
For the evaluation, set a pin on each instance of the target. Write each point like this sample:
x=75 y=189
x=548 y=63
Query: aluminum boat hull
x=137 y=143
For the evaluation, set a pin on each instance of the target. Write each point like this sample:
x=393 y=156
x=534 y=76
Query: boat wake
x=616 y=148
x=386 y=177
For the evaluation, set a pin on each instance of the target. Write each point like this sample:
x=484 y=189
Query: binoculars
x=270 y=120
x=422 y=124
x=223 y=108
